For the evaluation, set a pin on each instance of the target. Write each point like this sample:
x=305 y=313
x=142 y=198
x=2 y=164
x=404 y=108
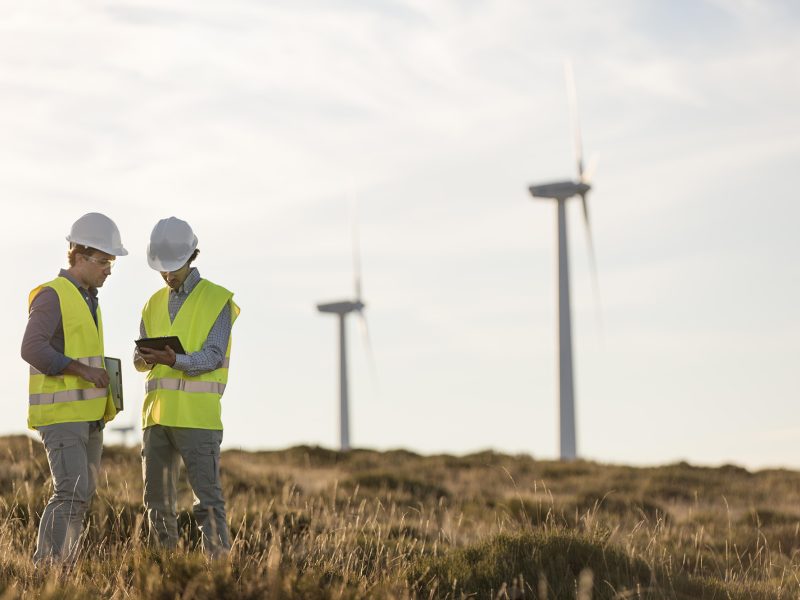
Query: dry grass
x=313 y=523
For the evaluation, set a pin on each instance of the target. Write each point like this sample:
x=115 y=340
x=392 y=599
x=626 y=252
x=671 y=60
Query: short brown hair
x=193 y=256
x=75 y=249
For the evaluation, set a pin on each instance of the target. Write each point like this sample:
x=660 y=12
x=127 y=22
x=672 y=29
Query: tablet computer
x=114 y=370
x=158 y=343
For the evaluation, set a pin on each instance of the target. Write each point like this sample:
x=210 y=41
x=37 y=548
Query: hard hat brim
x=113 y=251
x=164 y=266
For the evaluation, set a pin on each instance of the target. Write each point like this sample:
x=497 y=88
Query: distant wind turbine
x=561 y=191
x=342 y=308
x=124 y=431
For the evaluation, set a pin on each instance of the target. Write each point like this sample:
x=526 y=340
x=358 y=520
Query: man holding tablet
x=182 y=410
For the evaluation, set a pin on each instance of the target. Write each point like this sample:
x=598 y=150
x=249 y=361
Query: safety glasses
x=106 y=263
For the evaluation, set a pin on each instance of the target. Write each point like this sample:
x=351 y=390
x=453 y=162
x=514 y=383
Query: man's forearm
x=45 y=359
x=75 y=368
x=96 y=375
x=197 y=363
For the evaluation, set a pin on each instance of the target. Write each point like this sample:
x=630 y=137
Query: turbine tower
x=561 y=191
x=342 y=308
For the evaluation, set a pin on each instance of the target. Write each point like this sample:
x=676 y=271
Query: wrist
x=181 y=362
x=79 y=368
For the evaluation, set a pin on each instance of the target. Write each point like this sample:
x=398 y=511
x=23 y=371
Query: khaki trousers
x=162 y=449
x=73 y=453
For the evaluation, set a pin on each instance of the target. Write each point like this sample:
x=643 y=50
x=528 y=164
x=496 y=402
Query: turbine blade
x=591 y=167
x=368 y=349
x=593 y=265
x=356 y=246
x=572 y=98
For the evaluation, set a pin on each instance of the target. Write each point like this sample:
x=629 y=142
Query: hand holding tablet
x=160 y=350
x=160 y=343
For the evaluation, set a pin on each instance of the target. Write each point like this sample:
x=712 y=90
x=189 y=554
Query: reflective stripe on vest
x=90 y=361
x=68 y=396
x=184 y=385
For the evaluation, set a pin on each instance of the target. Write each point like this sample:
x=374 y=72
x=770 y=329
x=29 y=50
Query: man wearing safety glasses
x=182 y=409
x=69 y=398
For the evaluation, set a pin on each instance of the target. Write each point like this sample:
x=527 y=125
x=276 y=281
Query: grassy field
x=314 y=523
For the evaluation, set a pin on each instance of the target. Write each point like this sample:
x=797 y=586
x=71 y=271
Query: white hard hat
x=97 y=231
x=171 y=245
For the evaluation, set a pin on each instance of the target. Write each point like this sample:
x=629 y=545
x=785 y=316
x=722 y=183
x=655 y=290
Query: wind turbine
x=561 y=191
x=342 y=308
x=124 y=431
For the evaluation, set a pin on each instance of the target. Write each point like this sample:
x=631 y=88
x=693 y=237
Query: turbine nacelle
x=560 y=190
x=342 y=307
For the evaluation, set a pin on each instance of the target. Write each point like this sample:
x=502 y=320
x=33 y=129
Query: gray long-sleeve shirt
x=212 y=354
x=43 y=342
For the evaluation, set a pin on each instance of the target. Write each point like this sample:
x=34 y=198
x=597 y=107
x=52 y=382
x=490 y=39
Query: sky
x=258 y=122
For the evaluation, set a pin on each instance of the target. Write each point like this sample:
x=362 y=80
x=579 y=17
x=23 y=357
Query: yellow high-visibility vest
x=70 y=398
x=172 y=397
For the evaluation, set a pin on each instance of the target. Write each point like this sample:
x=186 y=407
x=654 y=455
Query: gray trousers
x=162 y=449
x=73 y=452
